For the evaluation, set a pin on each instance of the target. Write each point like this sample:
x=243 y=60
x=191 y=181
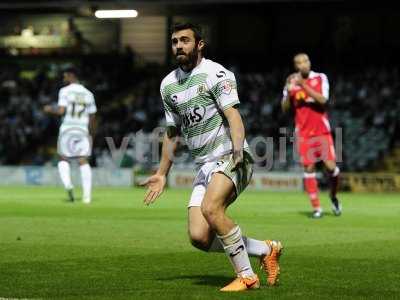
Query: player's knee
x=207 y=209
x=211 y=211
x=331 y=166
x=310 y=168
x=199 y=240
x=334 y=170
x=82 y=161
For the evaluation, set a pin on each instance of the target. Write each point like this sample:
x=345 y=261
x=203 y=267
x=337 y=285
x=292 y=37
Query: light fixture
x=116 y=13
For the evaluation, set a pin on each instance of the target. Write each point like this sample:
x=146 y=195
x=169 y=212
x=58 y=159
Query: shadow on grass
x=304 y=213
x=209 y=280
x=308 y=214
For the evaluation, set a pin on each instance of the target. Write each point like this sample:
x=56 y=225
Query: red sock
x=311 y=187
x=334 y=181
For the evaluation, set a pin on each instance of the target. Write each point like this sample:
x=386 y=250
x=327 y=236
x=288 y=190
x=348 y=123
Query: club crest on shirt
x=300 y=95
x=226 y=87
x=201 y=89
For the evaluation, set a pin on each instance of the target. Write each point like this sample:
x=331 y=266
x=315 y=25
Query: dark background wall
x=254 y=35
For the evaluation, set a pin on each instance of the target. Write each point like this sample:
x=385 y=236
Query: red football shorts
x=314 y=149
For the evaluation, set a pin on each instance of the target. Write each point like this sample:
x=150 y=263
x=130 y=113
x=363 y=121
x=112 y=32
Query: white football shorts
x=240 y=178
x=74 y=142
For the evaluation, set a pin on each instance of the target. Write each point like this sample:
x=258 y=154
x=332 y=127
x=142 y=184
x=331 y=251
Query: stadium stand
x=364 y=103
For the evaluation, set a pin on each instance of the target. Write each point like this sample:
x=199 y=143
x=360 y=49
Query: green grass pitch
x=116 y=248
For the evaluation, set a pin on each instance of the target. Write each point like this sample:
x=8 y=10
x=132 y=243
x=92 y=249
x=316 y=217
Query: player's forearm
x=236 y=129
x=55 y=110
x=285 y=104
x=318 y=97
x=92 y=125
x=169 y=147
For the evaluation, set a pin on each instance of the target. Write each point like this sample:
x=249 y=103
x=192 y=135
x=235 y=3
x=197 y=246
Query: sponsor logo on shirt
x=193 y=115
x=221 y=74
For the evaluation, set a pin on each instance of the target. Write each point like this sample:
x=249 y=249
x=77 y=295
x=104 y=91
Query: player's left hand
x=237 y=160
x=155 y=186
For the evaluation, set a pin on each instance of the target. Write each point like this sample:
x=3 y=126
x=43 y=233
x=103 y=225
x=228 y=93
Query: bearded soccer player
x=201 y=102
x=307 y=92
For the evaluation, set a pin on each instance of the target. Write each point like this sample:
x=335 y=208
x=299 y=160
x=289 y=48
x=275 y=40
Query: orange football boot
x=241 y=284
x=270 y=263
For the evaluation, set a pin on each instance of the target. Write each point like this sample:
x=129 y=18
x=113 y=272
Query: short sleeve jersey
x=194 y=101
x=79 y=104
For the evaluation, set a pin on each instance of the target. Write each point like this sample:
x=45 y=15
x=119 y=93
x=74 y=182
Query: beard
x=187 y=61
x=305 y=73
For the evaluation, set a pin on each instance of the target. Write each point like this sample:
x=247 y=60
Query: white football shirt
x=79 y=103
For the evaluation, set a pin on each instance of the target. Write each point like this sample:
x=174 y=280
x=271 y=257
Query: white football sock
x=254 y=247
x=64 y=170
x=235 y=249
x=86 y=176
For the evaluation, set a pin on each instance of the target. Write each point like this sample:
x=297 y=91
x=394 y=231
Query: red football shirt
x=311 y=118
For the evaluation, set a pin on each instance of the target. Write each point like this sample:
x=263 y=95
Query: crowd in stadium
x=364 y=103
x=26 y=133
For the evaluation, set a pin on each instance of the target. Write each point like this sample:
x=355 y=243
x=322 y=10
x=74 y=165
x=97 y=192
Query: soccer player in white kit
x=77 y=106
x=200 y=98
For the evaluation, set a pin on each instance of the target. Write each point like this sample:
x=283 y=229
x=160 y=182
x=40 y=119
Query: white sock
x=254 y=247
x=235 y=249
x=86 y=176
x=64 y=170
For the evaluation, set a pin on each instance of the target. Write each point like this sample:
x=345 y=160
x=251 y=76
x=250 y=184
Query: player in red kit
x=307 y=93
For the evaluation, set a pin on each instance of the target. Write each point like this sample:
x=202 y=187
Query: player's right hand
x=291 y=77
x=237 y=160
x=298 y=79
x=47 y=109
x=155 y=186
x=289 y=81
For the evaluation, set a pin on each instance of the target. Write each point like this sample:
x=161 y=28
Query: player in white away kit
x=77 y=106
x=200 y=98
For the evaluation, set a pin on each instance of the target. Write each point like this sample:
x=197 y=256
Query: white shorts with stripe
x=240 y=178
